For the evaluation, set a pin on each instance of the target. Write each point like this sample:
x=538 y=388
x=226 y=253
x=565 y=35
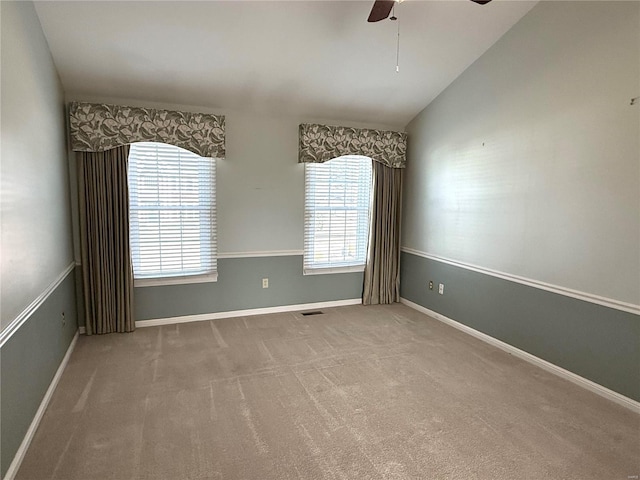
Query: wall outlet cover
x=441 y=288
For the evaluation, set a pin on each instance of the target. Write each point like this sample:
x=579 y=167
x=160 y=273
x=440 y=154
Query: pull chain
x=395 y=19
x=398 y=49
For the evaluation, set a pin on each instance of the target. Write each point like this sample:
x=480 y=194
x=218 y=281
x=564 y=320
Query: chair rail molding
x=587 y=297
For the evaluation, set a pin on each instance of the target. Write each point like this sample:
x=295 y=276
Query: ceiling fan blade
x=481 y=2
x=381 y=10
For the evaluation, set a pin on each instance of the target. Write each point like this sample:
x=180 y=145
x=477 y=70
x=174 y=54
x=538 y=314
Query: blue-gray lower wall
x=598 y=343
x=28 y=363
x=239 y=287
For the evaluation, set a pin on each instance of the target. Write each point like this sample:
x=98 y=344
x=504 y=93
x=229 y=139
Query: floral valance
x=98 y=127
x=320 y=143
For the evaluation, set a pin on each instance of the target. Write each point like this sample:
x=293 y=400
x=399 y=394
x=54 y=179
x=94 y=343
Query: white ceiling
x=311 y=58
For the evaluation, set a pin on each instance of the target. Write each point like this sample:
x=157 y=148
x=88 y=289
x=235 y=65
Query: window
x=336 y=217
x=172 y=215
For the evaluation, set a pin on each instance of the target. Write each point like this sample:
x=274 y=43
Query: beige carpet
x=378 y=392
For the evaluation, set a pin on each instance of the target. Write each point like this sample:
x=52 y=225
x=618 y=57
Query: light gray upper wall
x=260 y=185
x=34 y=218
x=529 y=163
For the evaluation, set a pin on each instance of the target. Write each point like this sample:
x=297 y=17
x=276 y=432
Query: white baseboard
x=26 y=441
x=548 y=366
x=244 y=313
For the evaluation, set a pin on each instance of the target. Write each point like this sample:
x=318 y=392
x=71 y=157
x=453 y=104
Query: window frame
x=179 y=279
x=308 y=269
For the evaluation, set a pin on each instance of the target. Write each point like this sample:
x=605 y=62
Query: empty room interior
x=320 y=240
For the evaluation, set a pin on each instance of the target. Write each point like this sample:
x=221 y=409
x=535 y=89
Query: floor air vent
x=315 y=312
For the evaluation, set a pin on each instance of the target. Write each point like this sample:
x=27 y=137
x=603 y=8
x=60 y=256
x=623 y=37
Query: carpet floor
x=380 y=392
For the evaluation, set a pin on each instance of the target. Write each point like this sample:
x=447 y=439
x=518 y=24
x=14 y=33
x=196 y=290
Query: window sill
x=332 y=270
x=159 y=281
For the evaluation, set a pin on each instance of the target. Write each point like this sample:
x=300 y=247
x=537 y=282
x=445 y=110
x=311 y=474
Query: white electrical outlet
x=265 y=283
x=441 y=288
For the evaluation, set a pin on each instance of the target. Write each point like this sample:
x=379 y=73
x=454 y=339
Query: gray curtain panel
x=382 y=271
x=104 y=231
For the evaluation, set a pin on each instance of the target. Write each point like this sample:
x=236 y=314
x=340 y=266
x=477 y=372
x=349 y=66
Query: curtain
x=382 y=271
x=321 y=143
x=104 y=233
x=387 y=150
x=98 y=127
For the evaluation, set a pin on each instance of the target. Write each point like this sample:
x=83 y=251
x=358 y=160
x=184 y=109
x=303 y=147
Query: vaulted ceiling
x=312 y=58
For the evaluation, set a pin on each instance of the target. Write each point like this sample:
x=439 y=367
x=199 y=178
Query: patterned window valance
x=98 y=127
x=320 y=143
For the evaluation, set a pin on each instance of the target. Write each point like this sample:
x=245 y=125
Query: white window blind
x=172 y=214
x=336 y=218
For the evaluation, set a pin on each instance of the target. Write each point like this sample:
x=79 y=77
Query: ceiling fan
x=382 y=8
